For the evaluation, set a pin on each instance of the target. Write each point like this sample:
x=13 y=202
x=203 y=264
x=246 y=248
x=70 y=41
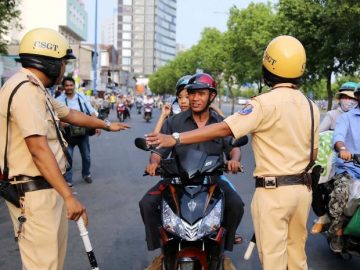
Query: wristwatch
x=176 y=136
x=107 y=125
x=342 y=148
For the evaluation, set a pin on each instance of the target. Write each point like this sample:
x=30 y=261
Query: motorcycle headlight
x=212 y=221
x=173 y=224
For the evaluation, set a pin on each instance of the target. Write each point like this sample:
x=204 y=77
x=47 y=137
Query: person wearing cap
x=284 y=126
x=346 y=101
x=346 y=143
x=35 y=160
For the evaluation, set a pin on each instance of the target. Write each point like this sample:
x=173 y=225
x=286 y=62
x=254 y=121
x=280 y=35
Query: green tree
x=329 y=31
x=207 y=55
x=8 y=14
x=210 y=55
x=249 y=31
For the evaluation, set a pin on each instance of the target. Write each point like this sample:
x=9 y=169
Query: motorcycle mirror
x=141 y=144
x=240 y=142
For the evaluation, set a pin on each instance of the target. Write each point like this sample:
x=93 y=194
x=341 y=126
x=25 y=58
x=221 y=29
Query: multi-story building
x=66 y=16
x=146 y=34
x=109 y=30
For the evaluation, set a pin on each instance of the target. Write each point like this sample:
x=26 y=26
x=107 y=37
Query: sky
x=192 y=17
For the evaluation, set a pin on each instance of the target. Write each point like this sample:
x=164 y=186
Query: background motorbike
x=121 y=112
x=148 y=107
x=192 y=209
x=138 y=107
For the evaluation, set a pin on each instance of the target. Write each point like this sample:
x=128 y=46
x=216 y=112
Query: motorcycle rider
x=202 y=92
x=121 y=99
x=346 y=101
x=346 y=142
x=281 y=138
x=182 y=99
x=148 y=104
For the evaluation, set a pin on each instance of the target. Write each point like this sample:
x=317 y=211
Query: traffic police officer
x=281 y=126
x=36 y=151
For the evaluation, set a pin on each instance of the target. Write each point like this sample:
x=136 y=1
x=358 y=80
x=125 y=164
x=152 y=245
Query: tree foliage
x=8 y=14
x=249 y=31
x=329 y=31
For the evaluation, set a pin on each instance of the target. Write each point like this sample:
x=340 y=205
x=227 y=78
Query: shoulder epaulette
x=33 y=80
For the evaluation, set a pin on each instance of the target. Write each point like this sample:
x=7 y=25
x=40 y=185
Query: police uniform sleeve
x=317 y=126
x=29 y=112
x=60 y=108
x=247 y=120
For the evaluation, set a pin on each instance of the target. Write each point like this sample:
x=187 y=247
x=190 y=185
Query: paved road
x=116 y=229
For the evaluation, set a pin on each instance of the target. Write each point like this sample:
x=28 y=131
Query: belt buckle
x=270 y=182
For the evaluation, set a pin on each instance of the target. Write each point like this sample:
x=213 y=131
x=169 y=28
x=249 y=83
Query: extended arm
x=80 y=119
x=164 y=114
x=204 y=134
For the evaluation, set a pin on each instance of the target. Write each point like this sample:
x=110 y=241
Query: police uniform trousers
x=279 y=217
x=43 y=240
x=150 y=213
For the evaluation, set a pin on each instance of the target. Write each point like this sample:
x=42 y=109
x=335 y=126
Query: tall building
x=146 y=34
x=109 y=30
x=66 y=16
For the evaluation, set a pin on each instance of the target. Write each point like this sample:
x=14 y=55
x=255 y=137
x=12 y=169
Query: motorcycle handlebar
x=355 y=158
x=224 y=168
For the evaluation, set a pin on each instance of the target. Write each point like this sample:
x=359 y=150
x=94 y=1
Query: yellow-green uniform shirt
x=280 y=124
x=29 y=116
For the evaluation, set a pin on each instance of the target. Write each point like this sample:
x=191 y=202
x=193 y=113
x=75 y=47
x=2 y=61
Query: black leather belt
x=35 y=183
x=277 y=181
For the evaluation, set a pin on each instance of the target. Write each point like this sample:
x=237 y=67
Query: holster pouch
x=9 y=193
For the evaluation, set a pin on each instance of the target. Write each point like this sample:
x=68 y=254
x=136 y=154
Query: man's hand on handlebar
x=345 y=155
x=234 y=166
x=151 y=168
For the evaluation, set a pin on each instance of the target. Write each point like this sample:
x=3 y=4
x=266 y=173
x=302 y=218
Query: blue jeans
x=84 y=147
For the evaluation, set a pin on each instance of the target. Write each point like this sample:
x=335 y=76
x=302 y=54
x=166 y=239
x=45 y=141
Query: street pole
x=95 y=51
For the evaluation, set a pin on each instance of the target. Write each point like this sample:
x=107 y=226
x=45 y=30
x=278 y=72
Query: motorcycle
x=351 y=242
x=103 y=113
x=138 y=107
x=148 y=107
x=121 y=112
x=192 y=210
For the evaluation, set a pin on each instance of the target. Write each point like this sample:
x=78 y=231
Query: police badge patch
x=247 y=109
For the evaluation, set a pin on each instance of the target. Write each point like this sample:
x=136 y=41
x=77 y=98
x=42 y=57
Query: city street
x=115 y=226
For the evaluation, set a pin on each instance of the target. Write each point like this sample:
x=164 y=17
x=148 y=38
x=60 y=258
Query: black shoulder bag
x=89 y=131
x=73 y=131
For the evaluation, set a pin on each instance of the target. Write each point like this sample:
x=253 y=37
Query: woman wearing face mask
x=347 y=101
